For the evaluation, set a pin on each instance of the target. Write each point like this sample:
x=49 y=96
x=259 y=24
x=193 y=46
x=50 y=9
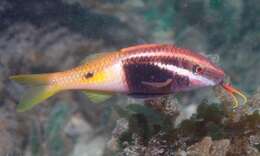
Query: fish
x=146 y=71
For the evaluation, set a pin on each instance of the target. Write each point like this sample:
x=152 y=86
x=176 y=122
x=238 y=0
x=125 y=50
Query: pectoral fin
x=97 y=97
x=158 y=84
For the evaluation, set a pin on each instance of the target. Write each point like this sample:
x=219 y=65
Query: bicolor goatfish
x=142 y=71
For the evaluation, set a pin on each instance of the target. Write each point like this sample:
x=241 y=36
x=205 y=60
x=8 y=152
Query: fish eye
x=197 y=69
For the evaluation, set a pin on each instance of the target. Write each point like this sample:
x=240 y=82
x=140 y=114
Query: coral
x=209 y=132
x=159 y=145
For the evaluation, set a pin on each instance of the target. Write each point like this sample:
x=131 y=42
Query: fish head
x=202 y=72
x=199 y=70
x=206 y=74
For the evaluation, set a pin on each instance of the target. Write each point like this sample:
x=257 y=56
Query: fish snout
x=217 y=75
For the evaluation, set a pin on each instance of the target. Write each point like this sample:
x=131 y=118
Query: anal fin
x=97 y=97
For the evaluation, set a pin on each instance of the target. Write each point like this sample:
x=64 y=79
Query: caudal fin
x=39 y=90
x=32 y=79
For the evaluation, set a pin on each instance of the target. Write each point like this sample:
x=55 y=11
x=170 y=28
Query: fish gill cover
x=53 y=35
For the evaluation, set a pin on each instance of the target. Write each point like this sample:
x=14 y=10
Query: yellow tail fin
x=32 y=79
x=39 y=91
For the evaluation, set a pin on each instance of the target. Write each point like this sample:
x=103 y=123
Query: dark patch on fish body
x=136 y=74
x=180 y=82
x=88 y=75
x=144 y=69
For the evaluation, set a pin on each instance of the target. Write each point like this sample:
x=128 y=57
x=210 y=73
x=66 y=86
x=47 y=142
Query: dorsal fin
x=138 y=47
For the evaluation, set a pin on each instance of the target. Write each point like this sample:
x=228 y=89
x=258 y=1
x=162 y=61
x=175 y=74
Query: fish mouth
x=232 y=92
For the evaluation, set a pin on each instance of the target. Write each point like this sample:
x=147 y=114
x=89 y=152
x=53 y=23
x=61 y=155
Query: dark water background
x=53 y=35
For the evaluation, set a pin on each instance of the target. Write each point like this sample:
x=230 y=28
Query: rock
x=201 y=148
x=241 y=146
x=207 y=147
x=219 y=147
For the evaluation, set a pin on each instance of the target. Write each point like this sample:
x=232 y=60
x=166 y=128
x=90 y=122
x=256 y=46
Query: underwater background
x=54 y=35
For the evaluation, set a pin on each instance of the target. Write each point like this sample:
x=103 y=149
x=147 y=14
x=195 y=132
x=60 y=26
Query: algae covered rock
x=212 y=131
